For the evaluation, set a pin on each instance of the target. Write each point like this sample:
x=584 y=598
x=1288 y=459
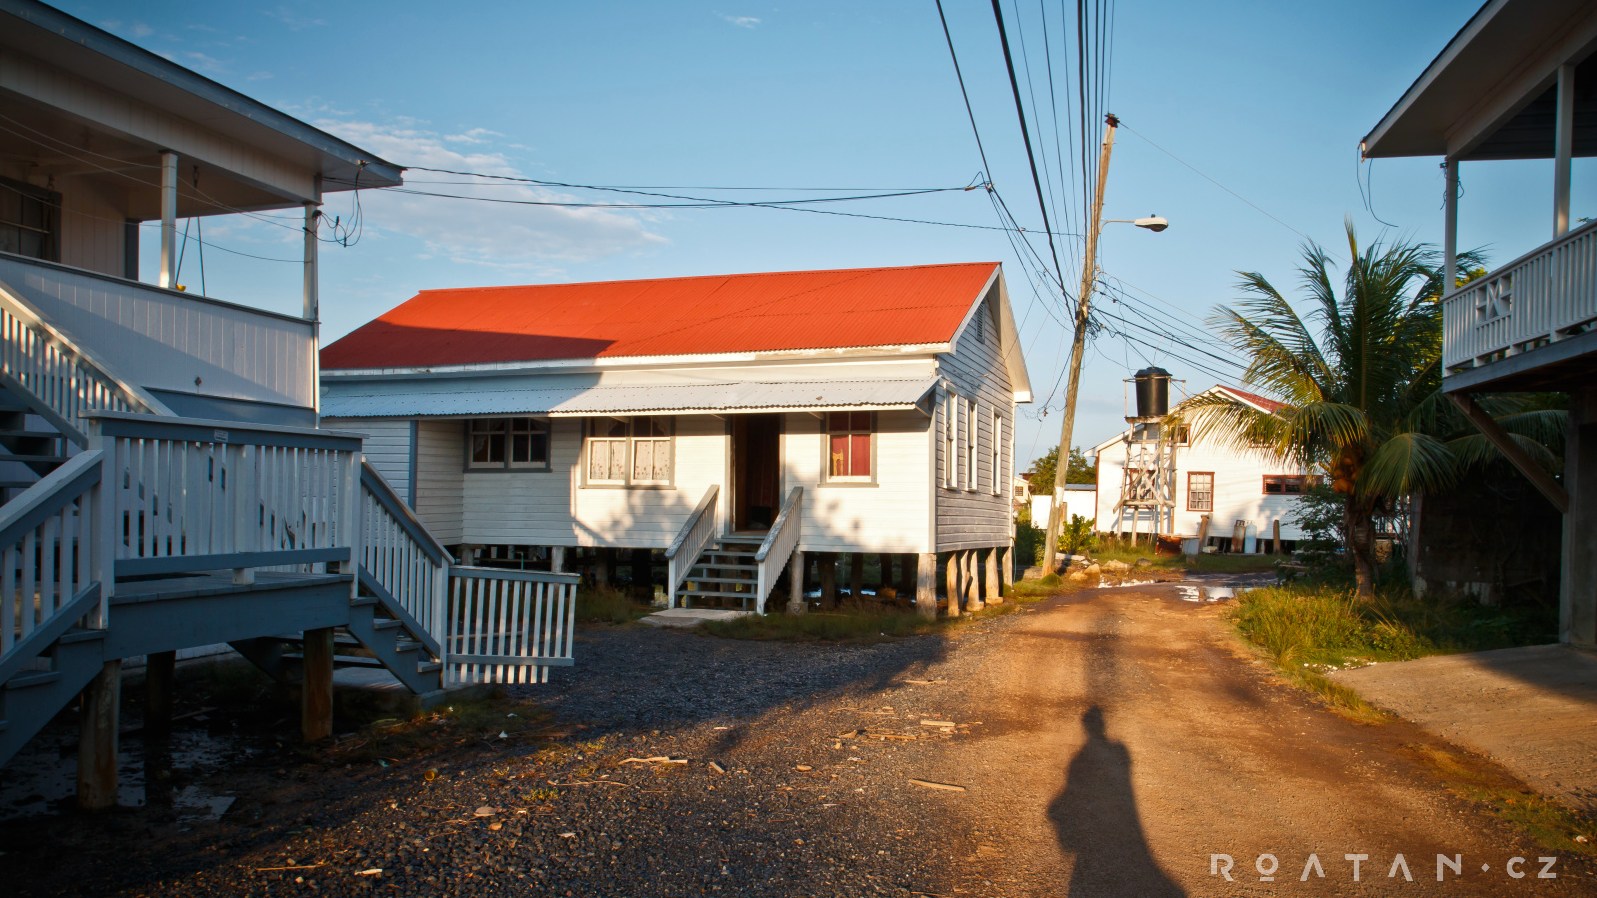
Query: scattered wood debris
x=938 y=723
x=803 y=768
x=373 y=871
x=717 y=767
x=946 y=787
x=656 y=759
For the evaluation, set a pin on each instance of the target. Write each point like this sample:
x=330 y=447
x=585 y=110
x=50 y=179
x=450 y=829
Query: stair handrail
x=697 y=532
x=399 y=554
x=778 y=546
x=99 y=388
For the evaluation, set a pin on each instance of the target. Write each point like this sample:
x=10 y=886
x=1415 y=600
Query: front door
x=756 y=471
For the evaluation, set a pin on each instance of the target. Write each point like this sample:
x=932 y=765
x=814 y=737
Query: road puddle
x=1202 y=594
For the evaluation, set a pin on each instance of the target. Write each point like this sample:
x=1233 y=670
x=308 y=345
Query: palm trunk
x=1359 y=526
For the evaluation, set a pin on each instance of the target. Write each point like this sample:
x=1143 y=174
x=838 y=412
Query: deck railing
x=695 y=536
x=778 y=547
x=189 y=495
x=50 y=573
x=1542 y=297
x=508 y=626
x=400 y=559
x=47 y=364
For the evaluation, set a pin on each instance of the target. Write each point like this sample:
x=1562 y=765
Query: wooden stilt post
x=828 y=563
x=642 y=575
x=995 y=588
x=603 y=561
x=316 y=700
x=159 y=668
x=557 y=559
x=908 y=584
x=1006 y=568
x=951 y=575
x=856 y=576
x=973 y=591
x=1275 y=537
x=1203 y=533
x=97 y=746
x=796 y=601
x=926 y=585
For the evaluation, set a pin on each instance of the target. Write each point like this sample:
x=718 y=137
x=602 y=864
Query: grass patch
x=1551 y=824
x=483 y=720
x=857 y=624
x=605 y=605
x=1233 y=564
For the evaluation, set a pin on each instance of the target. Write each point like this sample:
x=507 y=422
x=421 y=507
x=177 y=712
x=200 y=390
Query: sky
x=1240 y=124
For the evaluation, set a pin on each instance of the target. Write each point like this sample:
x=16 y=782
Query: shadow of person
x=1095 y=819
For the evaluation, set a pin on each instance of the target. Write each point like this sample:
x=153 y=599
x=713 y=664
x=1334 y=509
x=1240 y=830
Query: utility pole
x=1078 y=345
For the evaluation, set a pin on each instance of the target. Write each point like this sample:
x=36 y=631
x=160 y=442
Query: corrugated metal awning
x=583 y=400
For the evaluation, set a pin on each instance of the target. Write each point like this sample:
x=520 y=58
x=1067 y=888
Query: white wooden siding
x=1238 y=490
x=387 y=447
x=650 y=517
x=92 y=229
x=440 y=458
x=889 y=515
x=969 y=515
x=527 y=507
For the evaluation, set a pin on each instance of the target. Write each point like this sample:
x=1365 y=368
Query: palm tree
x=1362 y=402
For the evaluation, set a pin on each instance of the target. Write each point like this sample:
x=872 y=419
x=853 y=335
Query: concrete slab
x=1532 y=709
x=690 y=617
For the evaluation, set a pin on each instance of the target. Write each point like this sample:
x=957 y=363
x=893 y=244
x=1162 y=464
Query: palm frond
x=1405 y=464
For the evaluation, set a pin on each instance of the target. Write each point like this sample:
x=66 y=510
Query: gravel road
x=1104 y=743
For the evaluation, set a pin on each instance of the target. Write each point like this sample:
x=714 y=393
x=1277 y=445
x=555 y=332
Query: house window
x=630 y=451
x=1285 y=484
x=28 y=221
x=1183 y=435
x=1200 y=491
x=970 y=445
x=950 y=439
x=848 y=445
x=997 y=465
x=500 y=443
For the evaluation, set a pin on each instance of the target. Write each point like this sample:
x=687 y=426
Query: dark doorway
x=756 y=471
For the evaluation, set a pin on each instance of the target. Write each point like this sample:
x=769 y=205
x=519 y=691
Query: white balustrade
x=508 y=626
x=697 y=532
x=1542 y=297
x=778 y=546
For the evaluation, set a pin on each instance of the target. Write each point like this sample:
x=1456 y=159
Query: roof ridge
x=705 y=277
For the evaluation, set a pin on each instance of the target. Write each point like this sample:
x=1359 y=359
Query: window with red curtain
x=848 y=445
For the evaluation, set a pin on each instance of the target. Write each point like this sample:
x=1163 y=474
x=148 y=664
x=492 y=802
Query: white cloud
x=293 y=20
x=204 y=62
x=258 y=76
x=496 y=235
x=749 y=22
x=139 y=29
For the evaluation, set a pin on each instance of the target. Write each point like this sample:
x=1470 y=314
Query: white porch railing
x=778 y=547
x=400 y=560
x=50 y=571
x=41 y=360
x=189 y=495
x=508 y=626
x=1539 y=298
x=695 y=536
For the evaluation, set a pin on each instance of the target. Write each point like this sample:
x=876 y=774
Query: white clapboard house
x=728 y=424
x=164 y=485
x=1169 y=483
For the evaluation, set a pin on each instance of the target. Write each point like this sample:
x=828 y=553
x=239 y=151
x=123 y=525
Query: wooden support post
x=828 y=565
x=557 y=559
x=316 y=698
x=603 y=565
x=926 y=585
x=642 y=574
x=97 y=745
x=1203 y=533
x=856 y=576
x=796 y=601
x=995 y=588
x=972 y=571
x=1006 y=568
x=1275 y=537
x=907 y=577
x=951 y=584
x=159 y=668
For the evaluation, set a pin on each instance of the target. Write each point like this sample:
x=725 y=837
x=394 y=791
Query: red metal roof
x=793 y=310
x=1269 y=405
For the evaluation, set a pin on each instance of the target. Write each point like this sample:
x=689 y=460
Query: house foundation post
x=1578 y=593
x=796 y=603
x=557 y=559
x=1275 y=537
x=603 y=567
x=159 y=669
x=908 y=576
x=1006 y=568
x=926 y=585
x=952 y=584
x=856 y=575
x=316 y=698
x=642 y=575
x=827 y=561
x=972 y=571
x=995 y=587
x=97 y=744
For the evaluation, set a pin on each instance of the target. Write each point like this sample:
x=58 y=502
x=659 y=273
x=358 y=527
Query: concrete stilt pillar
x=926 y=585
x=952 y=584
x=97 y=746
x=796 y=602
x=557 y=559
x=159 y=668
x=856 y=576
x=1578 y=591
x=994 y=588
x=316 y=699
x=1006 y=568
x=972 y=572
x=828 y=564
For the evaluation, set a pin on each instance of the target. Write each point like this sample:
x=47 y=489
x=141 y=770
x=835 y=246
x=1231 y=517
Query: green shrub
x=602 y=604
x=1077 y=536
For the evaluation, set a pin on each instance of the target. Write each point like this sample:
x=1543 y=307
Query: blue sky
x=1268 y=99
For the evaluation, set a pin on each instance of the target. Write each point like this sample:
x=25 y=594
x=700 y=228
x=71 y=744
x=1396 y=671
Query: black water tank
x=1153 y=393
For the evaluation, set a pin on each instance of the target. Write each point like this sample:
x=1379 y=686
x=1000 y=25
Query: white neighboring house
x=736 y=419
x=1206 y=478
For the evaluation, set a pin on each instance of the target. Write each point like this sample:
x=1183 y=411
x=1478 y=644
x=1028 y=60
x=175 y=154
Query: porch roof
x=578 y=400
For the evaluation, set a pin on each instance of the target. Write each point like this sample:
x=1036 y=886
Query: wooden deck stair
x=725 y=571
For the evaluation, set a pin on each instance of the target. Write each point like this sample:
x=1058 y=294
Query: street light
x=1154 y=223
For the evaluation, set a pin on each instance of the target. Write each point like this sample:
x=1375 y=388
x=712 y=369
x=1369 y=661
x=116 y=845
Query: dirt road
x=1112 y=742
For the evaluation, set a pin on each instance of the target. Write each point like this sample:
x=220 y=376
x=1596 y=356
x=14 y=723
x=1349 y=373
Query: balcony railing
x=1542 y=297
x=168 y=340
